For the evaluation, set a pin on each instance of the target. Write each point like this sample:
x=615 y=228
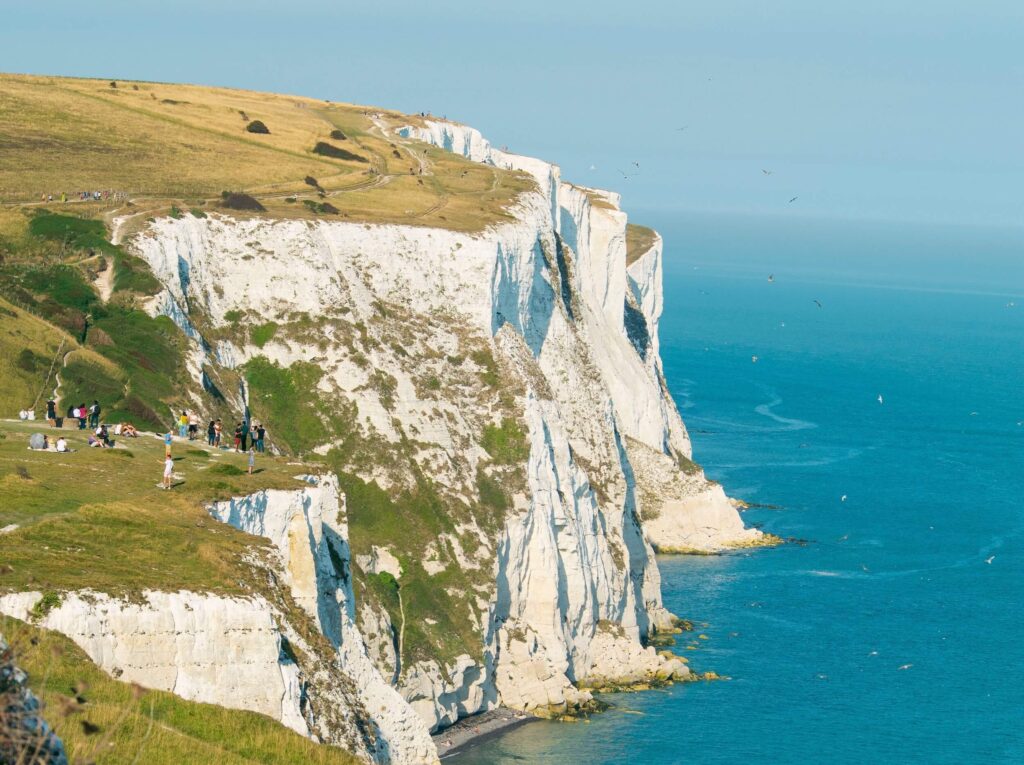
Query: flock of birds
x=635 y=170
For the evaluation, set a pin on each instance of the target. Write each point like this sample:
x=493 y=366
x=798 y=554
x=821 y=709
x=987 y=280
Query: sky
x=862 y=109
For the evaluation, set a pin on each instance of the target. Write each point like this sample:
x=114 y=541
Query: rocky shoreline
x=470 y=731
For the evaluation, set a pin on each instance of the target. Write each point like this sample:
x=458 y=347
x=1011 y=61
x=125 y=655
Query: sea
x=861 y=385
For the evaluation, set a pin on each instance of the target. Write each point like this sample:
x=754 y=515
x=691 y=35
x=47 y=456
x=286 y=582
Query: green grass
x=506 y=444
x=22 y=384
x=263 y=334
x=96 y=518
x=146 y=726
x=287 y=401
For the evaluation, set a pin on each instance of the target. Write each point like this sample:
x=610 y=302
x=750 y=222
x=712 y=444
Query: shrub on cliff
x=320 y=208
x=334 y=152
x=256 y=126
x=236 y=200
x=337 y=135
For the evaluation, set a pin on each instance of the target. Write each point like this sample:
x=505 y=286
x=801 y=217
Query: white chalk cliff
x=562 y=590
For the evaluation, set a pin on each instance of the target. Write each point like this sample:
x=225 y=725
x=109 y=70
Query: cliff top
x=90 y=519
x=166 y=145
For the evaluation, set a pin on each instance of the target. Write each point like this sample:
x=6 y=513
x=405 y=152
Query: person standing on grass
x=217 y=429
x=94 y=414
x=168 y=470
x=193 y=425
x=168 y=440
x=238 y=437
x=81 y=413
x=182 y=424
x=51 y=413
x=261 y=433
x=252 y=458
x=245 y=434
x=211 y=433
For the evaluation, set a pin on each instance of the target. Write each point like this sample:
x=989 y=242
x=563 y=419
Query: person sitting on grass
x=62 y=444
x=104 y=437
x=128 y=430
x=168 y=470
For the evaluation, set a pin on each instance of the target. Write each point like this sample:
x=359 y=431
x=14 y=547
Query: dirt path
x=105 y=281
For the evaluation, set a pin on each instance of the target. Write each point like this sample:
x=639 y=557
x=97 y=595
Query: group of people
x=246 y=434
x=85 y=196
x=42 y=442
x=249 y=436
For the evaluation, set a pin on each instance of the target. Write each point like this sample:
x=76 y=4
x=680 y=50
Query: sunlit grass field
x=183 y=145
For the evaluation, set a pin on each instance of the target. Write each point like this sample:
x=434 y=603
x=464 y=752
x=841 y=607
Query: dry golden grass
x=167 y=144
x=639 y=239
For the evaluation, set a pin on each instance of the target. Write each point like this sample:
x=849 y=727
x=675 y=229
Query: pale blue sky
x=861 y=108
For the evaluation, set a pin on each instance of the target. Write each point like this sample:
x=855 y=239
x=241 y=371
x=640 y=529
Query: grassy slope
x=153 y=727
x=182 y=143
x=97 y=518
x=27 y=348
x=639 y=239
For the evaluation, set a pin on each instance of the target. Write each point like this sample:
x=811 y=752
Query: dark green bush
x=256 y=126
x=327 y=150
x=236 y=200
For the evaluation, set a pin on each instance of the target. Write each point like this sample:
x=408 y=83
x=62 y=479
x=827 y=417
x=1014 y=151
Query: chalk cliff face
x=512 y=376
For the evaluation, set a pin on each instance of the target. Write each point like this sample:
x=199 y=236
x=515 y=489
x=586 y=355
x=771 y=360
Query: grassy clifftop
x=104 y=720
x=168 y=144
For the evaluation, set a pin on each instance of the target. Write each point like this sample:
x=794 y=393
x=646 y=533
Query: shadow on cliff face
x=529 y=313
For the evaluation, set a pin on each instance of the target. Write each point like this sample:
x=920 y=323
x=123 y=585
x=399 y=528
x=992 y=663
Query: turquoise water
x=813 y=635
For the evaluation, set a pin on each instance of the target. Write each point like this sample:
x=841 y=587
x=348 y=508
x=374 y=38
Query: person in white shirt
x=168 y=469
x=62 y=444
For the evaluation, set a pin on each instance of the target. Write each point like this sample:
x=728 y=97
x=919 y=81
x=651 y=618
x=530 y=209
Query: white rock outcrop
x=218 y=650
x=310 y=535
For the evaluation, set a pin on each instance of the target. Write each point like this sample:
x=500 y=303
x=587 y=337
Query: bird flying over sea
x=818 y=303
x=791 y=201
x=989 y=559
x=842 y=498
x=766 y=172
x=880 y=399
x=771 y=277
x=906 y=666
x=753 y=359
x=680 y=129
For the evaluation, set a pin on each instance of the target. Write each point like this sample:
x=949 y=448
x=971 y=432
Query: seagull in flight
x=842 y=498
x=906 y=666
x=771 y=277
x=766 y=172
x=753 y=359
x=791 y=201
x=989 y=559
x=681 y=129
x=818 y=303
x=880 y=399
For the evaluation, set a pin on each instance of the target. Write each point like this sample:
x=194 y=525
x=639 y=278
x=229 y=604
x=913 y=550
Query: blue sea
x=891 y=630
